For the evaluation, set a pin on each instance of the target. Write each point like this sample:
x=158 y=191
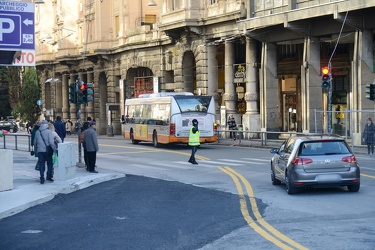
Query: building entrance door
x=289 y=111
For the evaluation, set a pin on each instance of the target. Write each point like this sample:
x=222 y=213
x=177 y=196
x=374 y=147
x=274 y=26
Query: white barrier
x=6 y=169
x=66 y=168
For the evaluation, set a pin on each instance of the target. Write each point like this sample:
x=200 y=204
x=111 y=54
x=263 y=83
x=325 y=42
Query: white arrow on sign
x=28 y=22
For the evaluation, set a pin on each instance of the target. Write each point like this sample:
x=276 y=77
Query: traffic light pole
x=329 y=120
x=78 y=108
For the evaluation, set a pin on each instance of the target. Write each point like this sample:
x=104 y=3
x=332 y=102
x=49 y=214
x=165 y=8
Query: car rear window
x=323 y=148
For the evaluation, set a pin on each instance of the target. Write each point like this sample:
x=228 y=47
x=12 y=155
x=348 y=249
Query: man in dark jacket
x=91 y=146
x=60 y=128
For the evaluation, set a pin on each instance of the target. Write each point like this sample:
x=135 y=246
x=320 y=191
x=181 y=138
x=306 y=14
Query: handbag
x=48 y=147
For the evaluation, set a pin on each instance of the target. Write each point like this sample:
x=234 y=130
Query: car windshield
x=323 y=148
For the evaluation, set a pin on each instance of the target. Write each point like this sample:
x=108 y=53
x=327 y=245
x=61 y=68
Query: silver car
x=314 y=161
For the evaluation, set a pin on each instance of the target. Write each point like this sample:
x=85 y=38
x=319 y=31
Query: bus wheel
x=155 y=139
x=132 y=137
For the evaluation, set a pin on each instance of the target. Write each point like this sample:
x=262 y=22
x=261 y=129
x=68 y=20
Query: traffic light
x=326 y=78
x=89 y=92
x=81 y=88
x=370 y=91
x=72 y=93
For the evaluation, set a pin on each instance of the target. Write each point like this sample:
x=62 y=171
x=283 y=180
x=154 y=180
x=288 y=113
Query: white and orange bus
x=167 y=118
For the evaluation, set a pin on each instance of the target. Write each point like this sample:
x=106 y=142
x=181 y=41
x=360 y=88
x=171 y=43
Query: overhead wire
x=338 y=39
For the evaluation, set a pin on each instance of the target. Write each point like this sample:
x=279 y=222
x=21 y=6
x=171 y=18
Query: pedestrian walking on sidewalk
x=232 y=126
x=91 y=145
x=194 y=141
x=43 y=140
x=60 y=128
x=368 y=135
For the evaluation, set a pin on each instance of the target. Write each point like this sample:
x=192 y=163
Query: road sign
x=17 y=26
x=39 y=102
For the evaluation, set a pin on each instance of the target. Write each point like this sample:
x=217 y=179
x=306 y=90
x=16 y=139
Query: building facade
x=260 y=59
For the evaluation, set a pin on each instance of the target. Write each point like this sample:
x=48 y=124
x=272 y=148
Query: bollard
x=6 y=169
x=240 y=132
x=66 y=166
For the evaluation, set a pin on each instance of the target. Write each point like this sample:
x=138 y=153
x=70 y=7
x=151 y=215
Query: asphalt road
x=225 y=202
x=130 y=213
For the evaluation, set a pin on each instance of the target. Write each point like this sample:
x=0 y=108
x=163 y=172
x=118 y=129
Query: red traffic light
x=83 y=87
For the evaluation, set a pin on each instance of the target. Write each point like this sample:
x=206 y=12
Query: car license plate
x=328 y=178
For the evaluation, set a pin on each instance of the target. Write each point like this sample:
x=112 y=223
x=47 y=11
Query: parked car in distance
x=9 y=126
x=314 y=161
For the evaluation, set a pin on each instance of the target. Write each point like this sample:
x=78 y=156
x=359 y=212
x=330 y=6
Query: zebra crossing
x=162 y=165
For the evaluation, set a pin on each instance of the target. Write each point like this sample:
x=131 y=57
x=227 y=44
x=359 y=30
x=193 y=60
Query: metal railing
x=11 y=141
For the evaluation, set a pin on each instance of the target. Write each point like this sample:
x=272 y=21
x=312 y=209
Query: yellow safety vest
x=194 y=138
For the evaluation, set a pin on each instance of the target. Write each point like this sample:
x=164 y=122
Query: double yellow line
x=259 y=225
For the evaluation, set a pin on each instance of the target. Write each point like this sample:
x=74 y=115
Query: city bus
x=166 y=117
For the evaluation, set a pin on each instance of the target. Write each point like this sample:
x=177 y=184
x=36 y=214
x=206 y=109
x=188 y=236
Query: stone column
x=65 y=97
x=212 y=70
x=90 y=105
x=212 y=76
x=269 y=98
x=230 y=95
x=311 y=86
x=59 y=98
x=73 y=110
x=250 y=119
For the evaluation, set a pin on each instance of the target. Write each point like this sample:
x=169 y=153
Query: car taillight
x=215 y=127
x=349 y=159
x=302 y=161
x=172 y=129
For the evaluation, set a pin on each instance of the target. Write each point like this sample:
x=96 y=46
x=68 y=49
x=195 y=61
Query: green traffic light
x=370 y=92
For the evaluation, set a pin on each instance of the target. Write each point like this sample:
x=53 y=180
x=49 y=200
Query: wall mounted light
x=152 y=3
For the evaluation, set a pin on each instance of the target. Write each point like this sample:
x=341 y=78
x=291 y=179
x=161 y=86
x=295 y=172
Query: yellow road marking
x=247 y=217
x=369 y=176
x=259 y=217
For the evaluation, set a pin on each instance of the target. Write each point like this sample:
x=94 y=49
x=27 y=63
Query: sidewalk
x=27 y=191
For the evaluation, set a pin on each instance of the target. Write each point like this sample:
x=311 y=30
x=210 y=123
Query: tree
x=5 y=108
x=30 y=94
x=14 y=82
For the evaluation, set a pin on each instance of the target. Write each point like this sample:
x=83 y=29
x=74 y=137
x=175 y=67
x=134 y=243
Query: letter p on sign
x=6 y=26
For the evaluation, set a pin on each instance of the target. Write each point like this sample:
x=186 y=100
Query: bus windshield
x=193 y=103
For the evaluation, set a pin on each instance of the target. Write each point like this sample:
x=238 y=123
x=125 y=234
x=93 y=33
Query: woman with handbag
x=45 y=145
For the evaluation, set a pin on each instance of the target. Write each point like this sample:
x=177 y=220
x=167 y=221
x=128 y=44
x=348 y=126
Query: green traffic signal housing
x=81 y=97
x=326 y=78
x=72 y=93
x=370 y=91
x=89 y=92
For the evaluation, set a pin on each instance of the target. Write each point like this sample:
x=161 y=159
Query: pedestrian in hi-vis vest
x=194 y=140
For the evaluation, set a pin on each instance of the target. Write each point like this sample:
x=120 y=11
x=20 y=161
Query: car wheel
x=11 y=130
x=132 y=137
x=353 y=188
x=155 y=139
x=273 y=178
x=289 y=188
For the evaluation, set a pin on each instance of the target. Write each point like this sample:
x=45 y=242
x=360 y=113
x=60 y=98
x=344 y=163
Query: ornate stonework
x=251 y=96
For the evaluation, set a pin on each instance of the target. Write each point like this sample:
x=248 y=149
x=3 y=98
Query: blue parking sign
x=17 y=25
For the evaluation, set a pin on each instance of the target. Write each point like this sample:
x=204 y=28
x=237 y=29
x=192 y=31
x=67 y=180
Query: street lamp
x=152 y=3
